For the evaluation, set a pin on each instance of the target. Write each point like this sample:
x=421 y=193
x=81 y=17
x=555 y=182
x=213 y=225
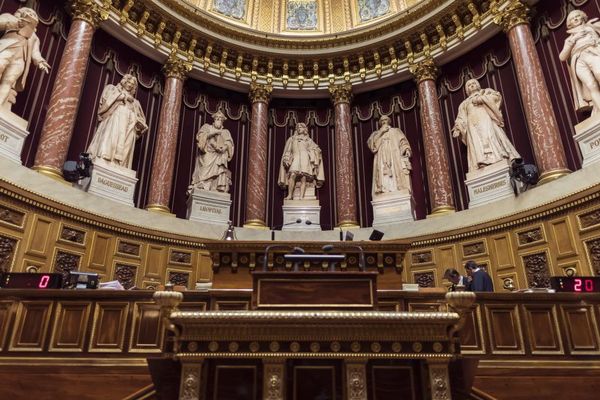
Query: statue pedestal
x=13 y=131
x=112 y=182
x=209 y=207
x=391 y=208
x=587 y=136
x=305 y=210
x=489 y=184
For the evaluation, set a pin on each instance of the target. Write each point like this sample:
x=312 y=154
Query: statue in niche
x=480 y=126
x=582 y=53
x=122 y=121
x=19 y=48
x=216 y=150
x=301 y=162
x=391 y=165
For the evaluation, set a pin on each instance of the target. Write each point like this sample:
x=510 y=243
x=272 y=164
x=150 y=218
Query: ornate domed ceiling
x=305 y=17
x=302 y=45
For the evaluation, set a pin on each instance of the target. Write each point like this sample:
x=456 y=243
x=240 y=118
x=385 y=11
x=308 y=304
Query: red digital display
x=25 y=280
x=576 y=284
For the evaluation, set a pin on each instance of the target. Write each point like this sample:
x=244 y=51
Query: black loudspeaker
x=376 y=235
x=348 y=236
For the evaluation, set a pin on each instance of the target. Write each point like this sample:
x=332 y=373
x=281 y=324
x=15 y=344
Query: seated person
x=457 y=279
x=480 y=279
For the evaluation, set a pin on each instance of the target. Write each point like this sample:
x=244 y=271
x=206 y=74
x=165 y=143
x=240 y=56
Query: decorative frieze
x=472 y=249
x=11 y=216
x=180 y=257
x=129 y=248
x=590 y=219
x=530 y=236
x=72 y=235
x=593 y=248
x=422 y=257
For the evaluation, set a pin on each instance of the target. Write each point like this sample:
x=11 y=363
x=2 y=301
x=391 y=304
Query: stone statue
x=391 y=166
x=582 y=53
x=19 y=48
x=216 y=150
x=480 y=126
x=122 y=121
x=301 y=161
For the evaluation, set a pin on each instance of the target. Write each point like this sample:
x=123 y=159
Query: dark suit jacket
x=482 y=282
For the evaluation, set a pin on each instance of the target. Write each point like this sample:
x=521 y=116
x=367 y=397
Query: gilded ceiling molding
x=92 y=12
x=260 y=93
x=516 y=13
x=341 y=93
x=424 y=70
x=176 y=68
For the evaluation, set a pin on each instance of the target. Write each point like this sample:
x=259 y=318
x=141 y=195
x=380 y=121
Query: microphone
x=298 y=250
x=296 y=222
x=276 y=247
x=361 y=255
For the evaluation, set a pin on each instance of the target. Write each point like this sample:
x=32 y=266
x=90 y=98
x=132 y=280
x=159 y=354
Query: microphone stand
x=296 y=222
x=361 y=255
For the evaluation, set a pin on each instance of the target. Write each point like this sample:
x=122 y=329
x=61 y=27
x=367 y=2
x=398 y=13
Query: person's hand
x=455 y=132
x=21 y=23
x=44 y=66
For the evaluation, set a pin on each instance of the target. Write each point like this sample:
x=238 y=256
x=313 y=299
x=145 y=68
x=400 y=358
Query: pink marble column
x=345 y=184
x=541 y=120
x=64 y=100
x=163 y=164
x=436 y=154
x=256 y=189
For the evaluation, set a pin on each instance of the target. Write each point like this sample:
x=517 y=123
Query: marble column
x=64 y=100
x=345 y=183
x=256 y=189
x=436 y=153
x=541 y=120
x=163 y=164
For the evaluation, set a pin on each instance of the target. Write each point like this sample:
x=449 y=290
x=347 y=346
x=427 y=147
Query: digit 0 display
x=24 y=280
x=576 y=284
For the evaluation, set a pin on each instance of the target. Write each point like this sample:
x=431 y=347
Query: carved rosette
x=90 y=11
x=536 y=267
x=424 y=70
x=7 y=249
x=516 y=13
x=341 y=93
x=260 y=93
x=176 y=68
x=273 y=381
x=356 y=381
x=190 y=382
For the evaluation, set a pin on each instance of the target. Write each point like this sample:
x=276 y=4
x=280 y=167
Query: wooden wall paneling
x=129 y=248
x=543 y=331
x=562 y=238
x=66 y=260
x=236 y=382
x=508 y=282
x=537 y=267
x=502 y=253
x=146 y=331
x=31 y=325
x=446 y=258
x=193 y=306
x=230 y=305
x=110 y=323
x=204 y=271
x=6 y=314
x=592 y=255
x=472 y=339
x=155 y=262
x=71 y=235
x=388 y=306
x=102 y=249
x=310 y=382
x=426 y=306
x=40 y=236
x=474 y=248
x=425 y=278
x=71 y=323
x=180 y=277
x=504 y=329
x=581 y=328
x=421 y=257
x=179 y=256
x=27 y=262
x=531 y=236
x=589 y=219
x=565 y=268
x=12 y=217
x=126 y=273
x=392 y=382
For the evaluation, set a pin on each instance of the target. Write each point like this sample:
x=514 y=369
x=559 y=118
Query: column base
x=50 y=172
x=159 y=208
x=441 y=210
x=553 y=174
x=348 y=224
x=256 y=224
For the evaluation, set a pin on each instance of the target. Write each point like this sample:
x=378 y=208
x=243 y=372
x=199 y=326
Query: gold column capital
x=260 y=93
x=516 y=13
x=341 y=93
x=424 y=70
x=176 y=67
x=90 y=11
